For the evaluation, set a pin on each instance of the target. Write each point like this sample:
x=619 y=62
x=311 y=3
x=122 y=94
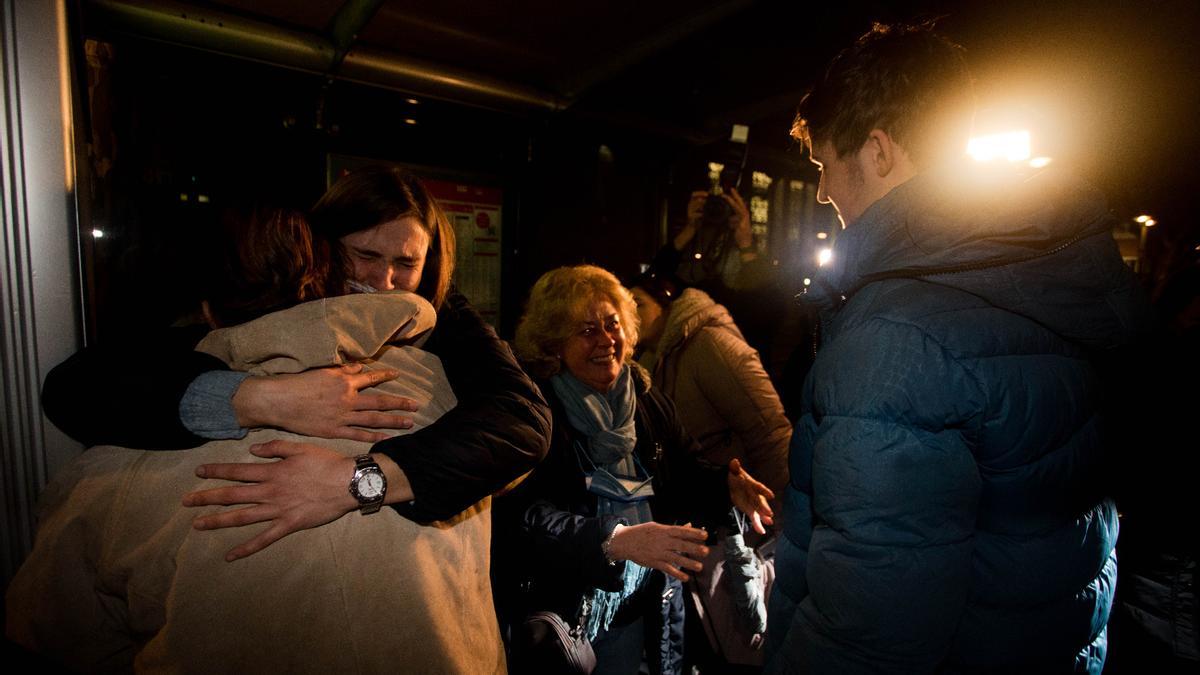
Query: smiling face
x=389 y=256
x=595 y=352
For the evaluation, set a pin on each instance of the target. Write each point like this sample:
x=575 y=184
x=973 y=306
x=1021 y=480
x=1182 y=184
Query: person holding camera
x=715 y=220
x=715 y=251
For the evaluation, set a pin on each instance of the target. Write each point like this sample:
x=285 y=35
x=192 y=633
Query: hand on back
x=324 y=402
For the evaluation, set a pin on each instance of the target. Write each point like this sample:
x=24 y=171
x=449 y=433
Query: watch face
x=370 y=485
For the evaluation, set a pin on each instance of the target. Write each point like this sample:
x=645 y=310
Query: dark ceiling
x=1112 y=85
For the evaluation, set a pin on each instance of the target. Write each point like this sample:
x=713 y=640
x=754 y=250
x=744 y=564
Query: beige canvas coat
x=724 y=396
x=118 y=578
x=726 y=400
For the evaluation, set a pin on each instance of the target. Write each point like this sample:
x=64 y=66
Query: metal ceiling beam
x=244 y=37
x=379 y=67
x=343 y=28
x=613 y=63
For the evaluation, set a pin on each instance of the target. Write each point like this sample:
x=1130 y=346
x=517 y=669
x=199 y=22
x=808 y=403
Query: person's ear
x=880 y=153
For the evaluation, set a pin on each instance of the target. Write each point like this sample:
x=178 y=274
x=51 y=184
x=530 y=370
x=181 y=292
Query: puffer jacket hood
x=1038 y=246
x=693 y=310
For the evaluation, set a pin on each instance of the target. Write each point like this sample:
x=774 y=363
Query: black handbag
x=546 y=644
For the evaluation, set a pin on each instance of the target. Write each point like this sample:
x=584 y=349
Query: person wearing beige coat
x=698 y=356
x=119 y=580
x=725 y=399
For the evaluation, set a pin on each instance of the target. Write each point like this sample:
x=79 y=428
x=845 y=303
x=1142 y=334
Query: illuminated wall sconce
x=822 y=235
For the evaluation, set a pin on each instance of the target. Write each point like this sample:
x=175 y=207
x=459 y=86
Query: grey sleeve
x=206 y=408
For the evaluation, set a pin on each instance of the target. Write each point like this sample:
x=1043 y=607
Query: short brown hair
x=904 y=79
x=556 y=304
x=267 y=261
x=374 y=195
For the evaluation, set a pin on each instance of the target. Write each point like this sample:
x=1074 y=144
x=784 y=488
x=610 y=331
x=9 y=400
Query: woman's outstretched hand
x=667 y=548
x=308 y=487
x=324 y=402
x=751 y=497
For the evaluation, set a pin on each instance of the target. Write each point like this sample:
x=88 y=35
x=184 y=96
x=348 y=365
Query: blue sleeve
x=206 y=408
x=895 y=490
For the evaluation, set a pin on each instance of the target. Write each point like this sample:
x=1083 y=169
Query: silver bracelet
x=606 y=547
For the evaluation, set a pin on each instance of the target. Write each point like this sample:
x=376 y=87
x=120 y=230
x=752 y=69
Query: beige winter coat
x=119 y=579
x=724 y=396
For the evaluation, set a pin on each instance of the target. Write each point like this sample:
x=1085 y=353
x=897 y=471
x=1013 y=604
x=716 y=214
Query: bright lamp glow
x=822 y=235
x=1011 y=145
x=1040 y=162
x=97 y=234
x=1142 y=218
x=824 y=256
x=1151 y=223
x=808 y=281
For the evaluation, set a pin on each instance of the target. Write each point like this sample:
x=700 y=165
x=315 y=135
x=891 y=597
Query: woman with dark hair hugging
x=120 y=579
x=385 y=231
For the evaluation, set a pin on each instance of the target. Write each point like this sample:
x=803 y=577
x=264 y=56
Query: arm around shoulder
x=128 y=394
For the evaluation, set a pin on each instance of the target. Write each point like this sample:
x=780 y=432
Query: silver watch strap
x=364 y=464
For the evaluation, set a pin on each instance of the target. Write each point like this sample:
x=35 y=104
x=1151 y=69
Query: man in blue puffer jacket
x=946 y=509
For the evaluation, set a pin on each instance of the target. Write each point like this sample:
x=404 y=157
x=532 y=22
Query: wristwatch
x=368 y=485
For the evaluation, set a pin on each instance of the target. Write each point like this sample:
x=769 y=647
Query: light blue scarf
x=607 y=419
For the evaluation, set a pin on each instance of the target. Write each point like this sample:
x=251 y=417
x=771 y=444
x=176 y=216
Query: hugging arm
x=499 y=430
x=133 y=394
x=128 y=392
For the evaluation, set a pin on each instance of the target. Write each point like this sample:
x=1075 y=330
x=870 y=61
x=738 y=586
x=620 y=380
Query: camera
x=717 y=209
